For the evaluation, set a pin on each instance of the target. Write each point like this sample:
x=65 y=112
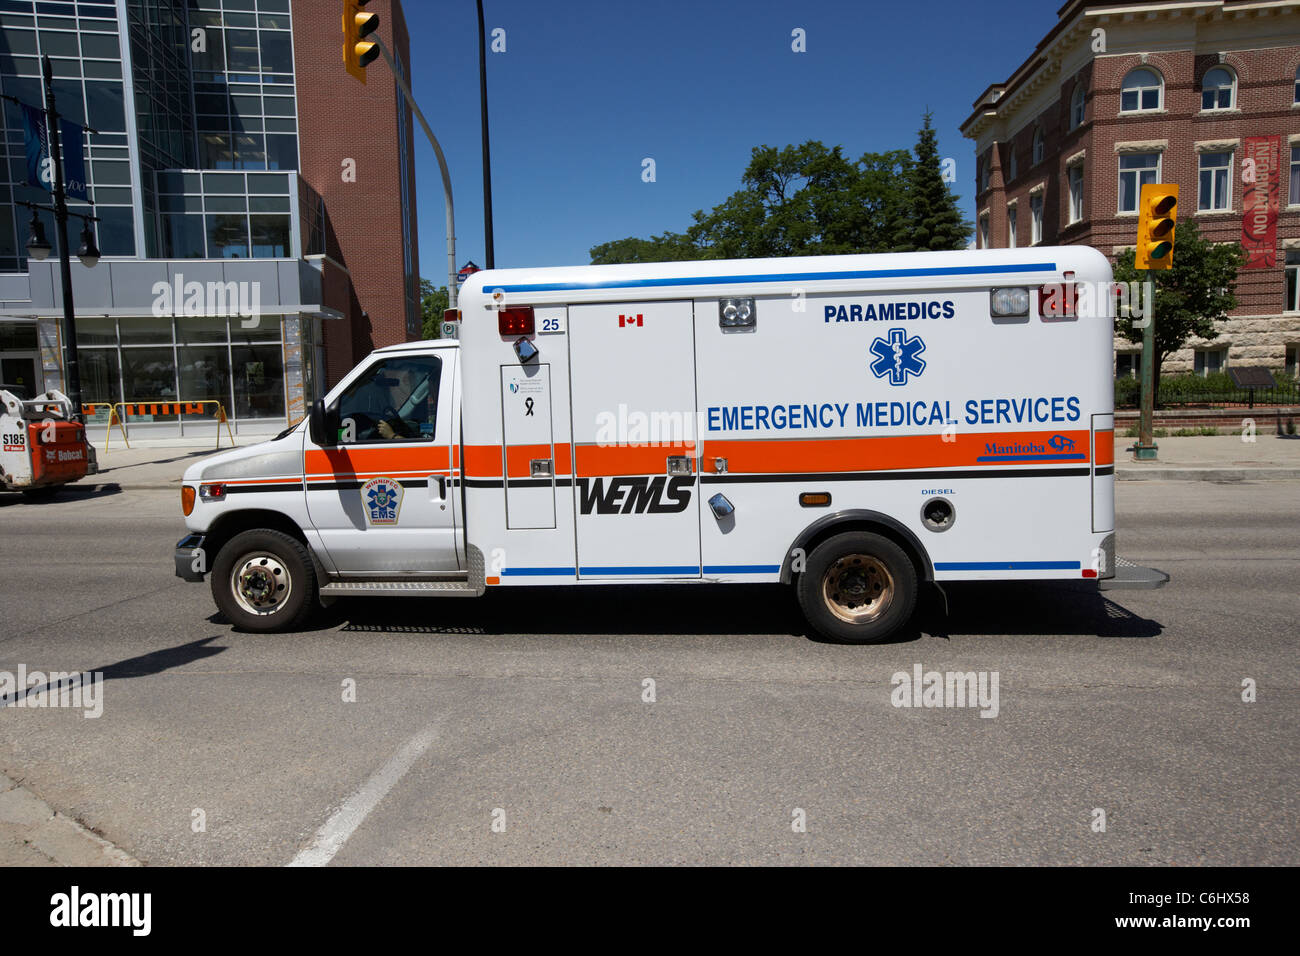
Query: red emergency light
x=517 y=320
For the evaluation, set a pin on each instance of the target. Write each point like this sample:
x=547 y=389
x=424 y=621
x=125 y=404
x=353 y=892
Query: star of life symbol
x=382 y=498
x=898 y=356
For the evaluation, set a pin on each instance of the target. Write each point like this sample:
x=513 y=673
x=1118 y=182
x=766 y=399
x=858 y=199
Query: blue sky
x=586 y=89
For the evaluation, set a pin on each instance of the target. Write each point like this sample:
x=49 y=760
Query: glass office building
x=210 y=284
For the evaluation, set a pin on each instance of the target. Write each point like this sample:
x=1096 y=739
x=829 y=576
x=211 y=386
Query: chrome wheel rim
x=858 y=588
x=261 y=583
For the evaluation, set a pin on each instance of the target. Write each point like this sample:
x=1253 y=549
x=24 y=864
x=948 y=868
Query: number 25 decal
x=551 y=325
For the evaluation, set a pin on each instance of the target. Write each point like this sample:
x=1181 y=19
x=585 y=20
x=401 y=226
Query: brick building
x=231 y=152
x=1119 y=94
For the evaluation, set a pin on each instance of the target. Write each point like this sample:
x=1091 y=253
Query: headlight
x=1009 y=301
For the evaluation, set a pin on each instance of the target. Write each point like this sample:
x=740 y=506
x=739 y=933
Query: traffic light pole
x=1145 y=449
x=490 y=252
x=442 y=165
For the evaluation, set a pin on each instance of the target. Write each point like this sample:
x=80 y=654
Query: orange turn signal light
x=815 y=499
x=187 y=499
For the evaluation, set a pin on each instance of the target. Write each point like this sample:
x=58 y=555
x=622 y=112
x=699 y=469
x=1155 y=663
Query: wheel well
x=873 y=522
x=236 y=522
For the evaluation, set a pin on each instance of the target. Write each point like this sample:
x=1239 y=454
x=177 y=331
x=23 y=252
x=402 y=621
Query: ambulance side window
x=396 y=400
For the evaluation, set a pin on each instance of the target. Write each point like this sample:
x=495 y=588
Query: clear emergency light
x=516 y=320
x=1013 y=300
x=736 y=314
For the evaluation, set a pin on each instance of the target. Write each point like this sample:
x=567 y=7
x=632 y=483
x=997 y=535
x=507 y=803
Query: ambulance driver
x=411 y=407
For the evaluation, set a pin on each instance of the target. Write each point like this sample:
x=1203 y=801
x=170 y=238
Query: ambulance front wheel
x=858 y=588
x=264 y=581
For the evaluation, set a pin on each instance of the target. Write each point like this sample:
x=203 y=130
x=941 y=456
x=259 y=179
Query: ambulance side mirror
x=321 y=435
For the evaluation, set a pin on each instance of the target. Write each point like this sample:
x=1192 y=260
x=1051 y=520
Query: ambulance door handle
x=679 y=465
x=442 y=484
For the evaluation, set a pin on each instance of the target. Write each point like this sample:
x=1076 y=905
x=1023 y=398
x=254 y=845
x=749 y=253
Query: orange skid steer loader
x=42 y=445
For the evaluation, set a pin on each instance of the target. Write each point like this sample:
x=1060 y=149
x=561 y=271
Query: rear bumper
x=1133 y=577
x=189 y=555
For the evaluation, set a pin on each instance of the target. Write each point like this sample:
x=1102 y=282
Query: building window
x=1076 y=193
x=1218 y=90
x=1293 y=360
x=1011 y=227
x=1035 y=219
x=1135 y=171
x=983 y=176
x=1210 y=361
x=984 y=231
x=1128 y=364
x=1216 y=182
x=1292 y=303
x=1294 y=196
x=1297 y=86
x=1012 y=170
x=1077 y=106
x=1141 y=90
x=1038 y=146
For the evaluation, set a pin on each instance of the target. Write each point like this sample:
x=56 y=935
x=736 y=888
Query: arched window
x=1218 y=90
x=1077 y=106
x=1141 y=90
x=1038 y=146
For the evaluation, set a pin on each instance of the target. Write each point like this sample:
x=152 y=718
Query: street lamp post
x=39 y=248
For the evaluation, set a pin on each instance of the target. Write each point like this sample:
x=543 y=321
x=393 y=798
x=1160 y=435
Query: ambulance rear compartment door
x=529 y=446
x=632 y=375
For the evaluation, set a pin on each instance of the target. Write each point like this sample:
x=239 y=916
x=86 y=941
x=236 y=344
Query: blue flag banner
x=40 y=167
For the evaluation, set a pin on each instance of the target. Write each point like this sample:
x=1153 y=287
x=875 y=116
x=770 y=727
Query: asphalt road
x=513 y=729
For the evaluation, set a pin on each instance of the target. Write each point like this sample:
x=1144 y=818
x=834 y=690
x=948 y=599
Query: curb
x=1206 y=474
x=32 y=832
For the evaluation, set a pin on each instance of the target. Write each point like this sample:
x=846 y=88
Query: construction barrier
x=88 y=408
x=180 y=408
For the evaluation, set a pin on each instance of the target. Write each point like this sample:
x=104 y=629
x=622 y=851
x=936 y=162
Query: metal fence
x=1177 y=393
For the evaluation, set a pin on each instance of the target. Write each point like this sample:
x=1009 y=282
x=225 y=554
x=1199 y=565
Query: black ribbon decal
x=528 y=406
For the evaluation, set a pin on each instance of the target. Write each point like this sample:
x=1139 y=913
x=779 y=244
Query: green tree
x=433 y=302
x=801 y=200
x=933 y=220
x=1195 y=293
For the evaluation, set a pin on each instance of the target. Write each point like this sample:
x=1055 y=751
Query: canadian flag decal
x=630 y=321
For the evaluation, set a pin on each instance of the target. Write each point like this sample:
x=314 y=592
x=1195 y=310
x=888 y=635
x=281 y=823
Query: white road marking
x=339 y=827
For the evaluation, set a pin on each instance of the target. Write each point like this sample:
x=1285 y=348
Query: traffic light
x=358 y=53
x=1159 y=210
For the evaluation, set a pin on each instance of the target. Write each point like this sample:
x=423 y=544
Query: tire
x=43 y=493
x=858 y=588
x=259 y=558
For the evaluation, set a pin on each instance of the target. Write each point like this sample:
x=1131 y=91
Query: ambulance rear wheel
x=264 y=581
x=858 y=588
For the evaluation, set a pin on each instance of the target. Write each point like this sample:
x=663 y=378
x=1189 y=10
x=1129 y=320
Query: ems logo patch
x=382 y=499
x=898 y=356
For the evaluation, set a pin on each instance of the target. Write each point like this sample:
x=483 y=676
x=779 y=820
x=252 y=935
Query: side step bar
x=1133 y=577
x=408 y=588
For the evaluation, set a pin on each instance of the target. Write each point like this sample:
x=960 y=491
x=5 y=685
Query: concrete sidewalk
x=1202 y=458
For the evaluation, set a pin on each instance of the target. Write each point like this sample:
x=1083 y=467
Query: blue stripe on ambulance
x=780 y=277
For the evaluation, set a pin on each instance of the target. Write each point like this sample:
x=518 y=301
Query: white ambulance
x=855 y=426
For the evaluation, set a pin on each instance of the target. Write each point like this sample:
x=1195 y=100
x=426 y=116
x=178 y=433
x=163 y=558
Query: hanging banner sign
x=40 y=165
x=1260 y=174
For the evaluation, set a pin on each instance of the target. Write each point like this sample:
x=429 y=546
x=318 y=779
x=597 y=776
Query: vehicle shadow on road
x=986 y=608
x=143 y=665
x=69 y=493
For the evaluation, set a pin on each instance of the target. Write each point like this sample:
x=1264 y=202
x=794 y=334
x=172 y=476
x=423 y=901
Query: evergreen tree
x=933 y=220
